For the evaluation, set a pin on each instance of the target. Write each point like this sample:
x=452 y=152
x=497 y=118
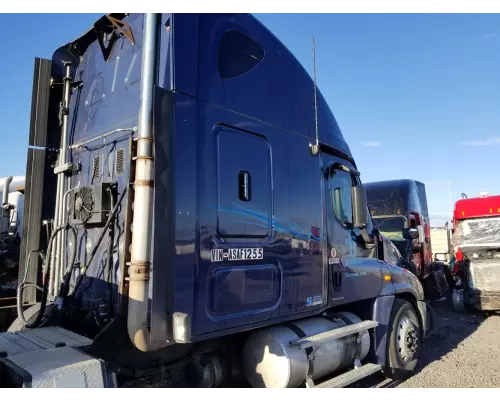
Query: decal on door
x=333 y=257
x=314 y=300
x=220 y=255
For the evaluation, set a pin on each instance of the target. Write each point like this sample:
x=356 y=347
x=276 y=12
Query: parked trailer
x=476 y=242
x=442 y=249
x=200 y=229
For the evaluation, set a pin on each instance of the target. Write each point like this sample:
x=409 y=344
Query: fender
x=381 y=313
x=405 y=285
x=382 y=308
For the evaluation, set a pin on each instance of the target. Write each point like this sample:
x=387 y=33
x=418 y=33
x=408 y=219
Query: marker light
x=181 y=327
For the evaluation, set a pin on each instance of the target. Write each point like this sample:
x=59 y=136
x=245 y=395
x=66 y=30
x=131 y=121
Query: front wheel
x=403 y=341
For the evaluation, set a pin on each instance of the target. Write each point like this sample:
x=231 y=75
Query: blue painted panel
x=244 y=289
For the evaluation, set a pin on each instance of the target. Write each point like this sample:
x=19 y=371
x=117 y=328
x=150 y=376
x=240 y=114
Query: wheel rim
x=406 y=339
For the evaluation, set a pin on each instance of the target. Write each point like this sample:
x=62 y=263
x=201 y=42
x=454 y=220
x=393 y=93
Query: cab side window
x=341 y=198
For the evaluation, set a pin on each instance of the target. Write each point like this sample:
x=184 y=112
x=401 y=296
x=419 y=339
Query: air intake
x=120 y=162
x=96 y=168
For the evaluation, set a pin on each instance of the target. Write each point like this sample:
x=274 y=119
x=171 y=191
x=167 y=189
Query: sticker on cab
x=246 y=254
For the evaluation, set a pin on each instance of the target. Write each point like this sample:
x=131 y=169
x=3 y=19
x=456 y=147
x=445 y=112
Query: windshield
x=391 y=227
x=477 y=232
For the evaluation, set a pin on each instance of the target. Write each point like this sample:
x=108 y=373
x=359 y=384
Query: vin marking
x=220 y=255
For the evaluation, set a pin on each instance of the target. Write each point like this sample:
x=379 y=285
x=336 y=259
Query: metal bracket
x=311 y=353
x=119 y=24
x=101 y=28
x=68 y=169
x=309 y=383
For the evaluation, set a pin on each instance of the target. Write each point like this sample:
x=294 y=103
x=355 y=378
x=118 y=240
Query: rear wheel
x=403 y=340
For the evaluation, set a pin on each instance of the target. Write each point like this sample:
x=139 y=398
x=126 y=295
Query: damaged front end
x=479 y=265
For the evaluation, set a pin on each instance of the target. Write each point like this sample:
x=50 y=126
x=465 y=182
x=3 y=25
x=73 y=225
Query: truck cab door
x=354 y=271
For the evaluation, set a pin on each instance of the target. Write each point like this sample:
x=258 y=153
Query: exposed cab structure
x=185 y=233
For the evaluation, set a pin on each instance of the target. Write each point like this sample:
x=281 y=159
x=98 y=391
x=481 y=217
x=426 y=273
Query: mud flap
x=382 y=308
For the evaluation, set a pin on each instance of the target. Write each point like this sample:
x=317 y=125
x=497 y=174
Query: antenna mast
x=315 y=147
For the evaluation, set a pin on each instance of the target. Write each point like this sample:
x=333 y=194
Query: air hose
x=99 y=241
x=64 y=288
x=45 y=289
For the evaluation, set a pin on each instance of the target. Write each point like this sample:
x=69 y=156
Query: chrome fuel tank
x=269 y=361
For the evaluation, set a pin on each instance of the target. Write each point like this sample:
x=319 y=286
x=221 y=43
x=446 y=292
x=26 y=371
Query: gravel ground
x=462 y=352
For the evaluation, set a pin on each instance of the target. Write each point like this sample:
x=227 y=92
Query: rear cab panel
x=104 y=118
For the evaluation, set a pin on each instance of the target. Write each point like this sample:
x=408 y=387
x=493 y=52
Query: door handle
x=244 y=184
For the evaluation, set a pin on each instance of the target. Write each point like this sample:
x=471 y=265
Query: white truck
x=11 y=218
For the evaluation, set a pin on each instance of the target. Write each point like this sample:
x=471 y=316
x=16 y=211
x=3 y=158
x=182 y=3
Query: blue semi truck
x=201 y=221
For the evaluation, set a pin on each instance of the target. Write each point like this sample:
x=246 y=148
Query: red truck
x=476 y=243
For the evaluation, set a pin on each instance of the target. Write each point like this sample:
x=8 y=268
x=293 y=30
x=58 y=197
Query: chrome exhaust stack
x=140 y=263
x=4 y=209
x=6 y=187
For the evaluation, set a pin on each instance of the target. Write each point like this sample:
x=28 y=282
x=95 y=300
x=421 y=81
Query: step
x=350 y=377
x=29 y=340
x=338 y=333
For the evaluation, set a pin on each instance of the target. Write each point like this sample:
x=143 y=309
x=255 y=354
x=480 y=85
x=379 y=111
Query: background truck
x=11 y=219
x=205 y=223
x=476 y=243
x=442 y=249
x=399 y=204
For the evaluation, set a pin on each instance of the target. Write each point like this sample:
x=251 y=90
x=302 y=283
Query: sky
x=416 y=95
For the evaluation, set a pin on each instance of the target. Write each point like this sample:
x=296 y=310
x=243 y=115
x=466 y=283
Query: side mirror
x=359 y=207
x=410 y=233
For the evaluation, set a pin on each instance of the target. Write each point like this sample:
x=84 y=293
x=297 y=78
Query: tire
x=30 y=315
x=458 y=301
x=403 y=341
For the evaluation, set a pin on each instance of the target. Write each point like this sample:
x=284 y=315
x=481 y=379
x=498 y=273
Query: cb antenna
x=315 y=147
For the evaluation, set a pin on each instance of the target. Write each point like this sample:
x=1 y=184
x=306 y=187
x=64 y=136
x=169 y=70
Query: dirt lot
x=463 y=351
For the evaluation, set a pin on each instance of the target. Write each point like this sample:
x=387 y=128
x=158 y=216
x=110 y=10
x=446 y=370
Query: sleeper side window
x=238 y=54
x=341 y=198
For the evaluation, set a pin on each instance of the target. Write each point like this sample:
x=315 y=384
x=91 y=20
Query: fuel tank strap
x=300 y=333
x=342 y=317
x=309 y=351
